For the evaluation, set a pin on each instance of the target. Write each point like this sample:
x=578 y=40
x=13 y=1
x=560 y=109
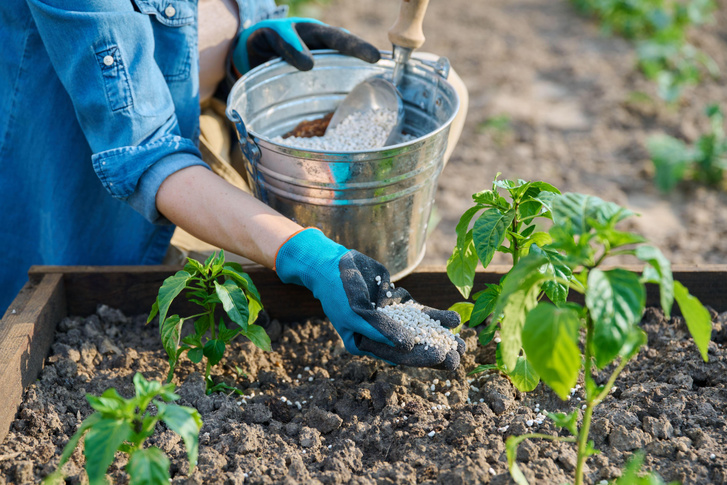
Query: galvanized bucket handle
x=249 y=148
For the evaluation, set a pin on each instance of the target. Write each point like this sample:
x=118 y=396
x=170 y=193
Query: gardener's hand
x=351 y=287
x=292 y=39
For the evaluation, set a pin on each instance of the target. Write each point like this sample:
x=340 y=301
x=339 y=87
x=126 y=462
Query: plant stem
x=207 y=370
x=583 y=443
x=586 y=425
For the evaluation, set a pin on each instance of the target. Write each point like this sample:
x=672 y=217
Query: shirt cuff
x=143 y=199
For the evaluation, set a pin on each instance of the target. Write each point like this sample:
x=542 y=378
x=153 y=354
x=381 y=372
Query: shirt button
x=170 y=11
x=247 y=23
x=108 y=60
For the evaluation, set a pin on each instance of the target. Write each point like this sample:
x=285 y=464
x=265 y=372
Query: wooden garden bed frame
x=53 y=292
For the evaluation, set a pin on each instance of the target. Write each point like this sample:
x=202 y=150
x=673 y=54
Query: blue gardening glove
x=345 y=283
x=292 y=39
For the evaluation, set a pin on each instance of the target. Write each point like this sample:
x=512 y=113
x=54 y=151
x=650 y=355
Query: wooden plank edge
x=132 y=289
x=25 y=339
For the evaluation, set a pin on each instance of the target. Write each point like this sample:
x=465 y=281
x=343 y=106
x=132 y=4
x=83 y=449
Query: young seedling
x=123 y=425
x=209 y=285
x=501 y=219
x=706 y=161
x=548 y=334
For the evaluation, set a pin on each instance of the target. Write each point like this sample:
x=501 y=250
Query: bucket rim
x=322 y=53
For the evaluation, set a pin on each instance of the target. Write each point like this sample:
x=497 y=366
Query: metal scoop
x=378 y=92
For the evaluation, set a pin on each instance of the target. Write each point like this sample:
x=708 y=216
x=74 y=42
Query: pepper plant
x=706 y=161
x=209 y=285
x=562 y=339
x=123 y=425
x=511 y=220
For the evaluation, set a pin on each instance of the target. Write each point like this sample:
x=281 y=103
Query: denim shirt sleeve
x=103 y=54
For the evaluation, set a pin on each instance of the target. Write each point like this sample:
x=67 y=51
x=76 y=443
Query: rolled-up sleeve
x=103 y=54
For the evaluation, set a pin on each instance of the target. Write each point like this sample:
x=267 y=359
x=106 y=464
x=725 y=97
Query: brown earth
x=567 y=90
x=356 y=420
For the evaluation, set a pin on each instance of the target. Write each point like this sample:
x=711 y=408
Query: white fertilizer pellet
x=362 y=130
x=427 y=331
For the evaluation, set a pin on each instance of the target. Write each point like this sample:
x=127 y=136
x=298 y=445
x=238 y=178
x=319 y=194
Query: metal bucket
x=377 y=201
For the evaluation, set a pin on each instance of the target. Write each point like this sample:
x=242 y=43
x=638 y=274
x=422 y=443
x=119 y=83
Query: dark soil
x=363 y=421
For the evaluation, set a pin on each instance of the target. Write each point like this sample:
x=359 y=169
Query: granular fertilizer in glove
x=427 y=331
x=362 y=130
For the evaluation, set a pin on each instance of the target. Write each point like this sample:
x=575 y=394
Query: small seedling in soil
x=561 y=339
x=515 y=221
x=209 y=285
x=706 y=161
x=123 y=425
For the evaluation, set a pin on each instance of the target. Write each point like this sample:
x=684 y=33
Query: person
x=98 y=136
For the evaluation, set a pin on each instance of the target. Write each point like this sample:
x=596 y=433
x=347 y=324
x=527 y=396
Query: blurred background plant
x=304 y=8
x=659 y=30
x=704 y=162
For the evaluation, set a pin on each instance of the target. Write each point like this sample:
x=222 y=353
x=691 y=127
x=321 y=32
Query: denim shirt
x=99 y=105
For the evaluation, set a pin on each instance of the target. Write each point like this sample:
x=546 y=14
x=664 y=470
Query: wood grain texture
x=26 y=334
x=132 y=289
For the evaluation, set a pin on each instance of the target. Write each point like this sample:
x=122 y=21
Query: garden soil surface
x=568 y=91
x=315 y=414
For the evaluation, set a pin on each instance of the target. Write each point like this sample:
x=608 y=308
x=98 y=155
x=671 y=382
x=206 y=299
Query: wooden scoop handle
x=407 y=30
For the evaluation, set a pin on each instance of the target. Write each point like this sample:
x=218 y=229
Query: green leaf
x=525 y=233
x=170 y=333
x=154 y=311
x=489 y=233
x=193 y=266
x=217 y=263
x=544 y=189
x=462 y=230
x=656 y=259
x=110 y=404
x=615 y=300
x=195 y=355
x=226 y=334
x=214 y=350
x=539 y=239
x=529 y=208
x=201 y=325
x=571 y=211
x=486 y=336
x=550 y=340
x=193 y=340
x=254 y=308
x=234 y=270
x=461 y=268
x=671 y=157
x=511 y=450
x=257 y=335
x=520 y=289
x=70 y=447
x=524 y=376
x=557 y=273
x=234 y=302
x=568 y=421
x=490 y=198
x=463 y=309
x=100 y=446
x=696 y=316
x=148 y=466
x=169 y=290
x=186 y=422
x=485 y=302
